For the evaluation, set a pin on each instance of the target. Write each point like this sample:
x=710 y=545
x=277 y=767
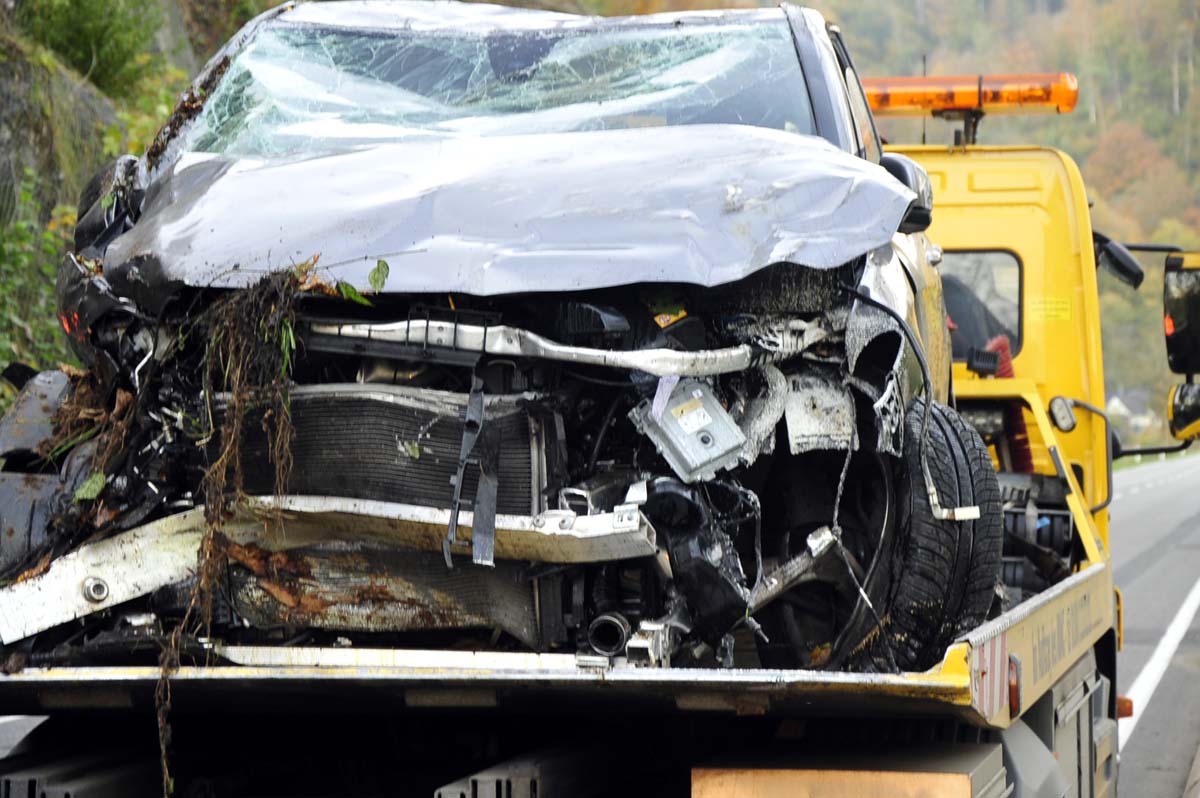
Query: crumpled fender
x=882 y=365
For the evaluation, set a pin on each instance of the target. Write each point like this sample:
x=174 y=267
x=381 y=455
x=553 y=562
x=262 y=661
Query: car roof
x=431 y=15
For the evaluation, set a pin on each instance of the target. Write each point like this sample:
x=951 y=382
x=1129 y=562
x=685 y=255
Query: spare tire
x=943 y=572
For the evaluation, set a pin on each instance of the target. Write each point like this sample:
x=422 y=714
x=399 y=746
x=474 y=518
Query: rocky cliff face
x=52 y=121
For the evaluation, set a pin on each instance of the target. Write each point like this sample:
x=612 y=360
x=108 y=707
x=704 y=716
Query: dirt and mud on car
x=459 y=327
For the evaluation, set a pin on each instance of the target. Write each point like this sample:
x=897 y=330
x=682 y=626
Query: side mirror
x=920 y=212
x=1183 y=412
x=1116 y=257
x=1181 y=312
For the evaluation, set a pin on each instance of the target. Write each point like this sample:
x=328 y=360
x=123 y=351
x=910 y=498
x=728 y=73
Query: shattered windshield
x=300 y=88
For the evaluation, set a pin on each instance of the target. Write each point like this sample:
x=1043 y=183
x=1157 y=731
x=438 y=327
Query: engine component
x=589 y=324
x=652 y=644
x=601 y=492
x=703 y=559
x=608 y=633
x=691 y=431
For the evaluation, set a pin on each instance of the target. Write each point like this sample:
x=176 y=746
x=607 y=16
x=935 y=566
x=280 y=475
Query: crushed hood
x=703 y=204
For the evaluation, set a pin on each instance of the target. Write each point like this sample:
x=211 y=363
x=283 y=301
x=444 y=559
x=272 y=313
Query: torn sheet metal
x=762 y=415
x=28 y=424
x=28 y=502
x=374 y=588
x=130 y=565
x=819 y=414
x=609 y=207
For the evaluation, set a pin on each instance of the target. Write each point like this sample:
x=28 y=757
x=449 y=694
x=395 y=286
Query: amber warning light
x=980 y=94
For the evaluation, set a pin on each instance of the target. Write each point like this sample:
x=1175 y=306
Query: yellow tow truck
x=1019 y=260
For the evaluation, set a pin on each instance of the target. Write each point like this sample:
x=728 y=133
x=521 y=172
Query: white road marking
x=1152 y=672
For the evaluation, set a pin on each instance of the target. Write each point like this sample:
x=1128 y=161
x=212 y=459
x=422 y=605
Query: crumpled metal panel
x=27 y=503
x=163 y=552
x=700 y=204
x=28 y=424
x=819 y=414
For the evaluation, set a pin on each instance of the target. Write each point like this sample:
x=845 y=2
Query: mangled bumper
x=133 y=564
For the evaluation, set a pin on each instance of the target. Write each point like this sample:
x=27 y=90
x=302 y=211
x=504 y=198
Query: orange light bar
x=991 y=94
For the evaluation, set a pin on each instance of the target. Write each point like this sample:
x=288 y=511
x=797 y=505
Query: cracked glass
x=300 y=88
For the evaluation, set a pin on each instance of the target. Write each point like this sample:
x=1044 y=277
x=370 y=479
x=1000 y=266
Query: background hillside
x=82 y=80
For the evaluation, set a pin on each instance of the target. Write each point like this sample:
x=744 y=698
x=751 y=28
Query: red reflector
x=1124 y=706
x=1168 y=324
x=1014 y=686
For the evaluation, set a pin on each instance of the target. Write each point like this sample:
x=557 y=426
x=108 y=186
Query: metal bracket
x=472 y=425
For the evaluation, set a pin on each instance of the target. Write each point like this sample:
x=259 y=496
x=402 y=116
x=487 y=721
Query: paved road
x=1155 y=523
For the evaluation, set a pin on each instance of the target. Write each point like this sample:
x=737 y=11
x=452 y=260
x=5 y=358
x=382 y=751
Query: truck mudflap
x=1042 y=637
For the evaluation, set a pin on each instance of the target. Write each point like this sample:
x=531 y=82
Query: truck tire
x=943 y=572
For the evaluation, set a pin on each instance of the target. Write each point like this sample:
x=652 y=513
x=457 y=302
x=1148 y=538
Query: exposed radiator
x=398 y=444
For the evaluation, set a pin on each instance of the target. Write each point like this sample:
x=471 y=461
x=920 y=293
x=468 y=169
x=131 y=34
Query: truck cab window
x=983 y=299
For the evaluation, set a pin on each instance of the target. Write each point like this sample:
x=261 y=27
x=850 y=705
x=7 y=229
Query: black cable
x=604 y=425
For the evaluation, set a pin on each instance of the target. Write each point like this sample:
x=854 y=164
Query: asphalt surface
x=1155 y=542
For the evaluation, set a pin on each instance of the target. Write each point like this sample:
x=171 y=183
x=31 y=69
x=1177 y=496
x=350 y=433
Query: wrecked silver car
x=435 y=326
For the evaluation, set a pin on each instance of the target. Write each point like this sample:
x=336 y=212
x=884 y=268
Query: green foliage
x=212 y=22
x=101 y=39
x=142 y=112
x=378 y=276
x=91 y=487
x=30 y=251
x=352 y=294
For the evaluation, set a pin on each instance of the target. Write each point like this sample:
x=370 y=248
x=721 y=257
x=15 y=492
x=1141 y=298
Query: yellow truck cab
x=1019 y=262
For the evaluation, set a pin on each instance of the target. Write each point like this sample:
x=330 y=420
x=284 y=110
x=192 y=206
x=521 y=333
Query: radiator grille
x=365 y=448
